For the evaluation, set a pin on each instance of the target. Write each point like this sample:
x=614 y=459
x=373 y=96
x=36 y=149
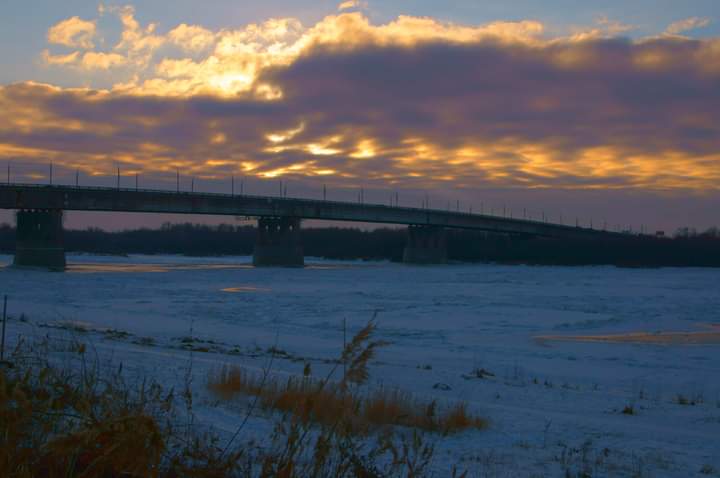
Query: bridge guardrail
x=314 y=201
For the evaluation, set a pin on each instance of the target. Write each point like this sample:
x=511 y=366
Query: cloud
x=102 y=61
x=137 y=43
x=239 y=56
x=61 y=60
x=89 y=61
x=687 y=24
x=73 y=32
x=351 y=4
x=604 y=28
x=136 y=46
x=192 y=38
x=229 y=62
x=413 y=102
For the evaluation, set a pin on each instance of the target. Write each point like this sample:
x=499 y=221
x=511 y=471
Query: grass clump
x=690 y=400
x=324 y=402
x=59 y=422
x=86 y=420
x=316 y=401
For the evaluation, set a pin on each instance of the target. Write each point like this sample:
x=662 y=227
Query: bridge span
x=40 y=242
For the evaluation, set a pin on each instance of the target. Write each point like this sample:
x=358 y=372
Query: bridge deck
x=71 y=198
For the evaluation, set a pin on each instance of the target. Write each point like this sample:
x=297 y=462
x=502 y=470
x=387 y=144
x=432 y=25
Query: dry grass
x=325 y=403
x=58 y=424
x=87 y=421
x=658 y=338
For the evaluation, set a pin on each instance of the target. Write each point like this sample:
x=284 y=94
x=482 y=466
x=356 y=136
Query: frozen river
x=547 y=394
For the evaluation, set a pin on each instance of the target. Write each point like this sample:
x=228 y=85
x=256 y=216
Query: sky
x=582 y=111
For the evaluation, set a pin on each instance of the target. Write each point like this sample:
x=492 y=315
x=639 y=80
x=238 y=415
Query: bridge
x=40 y=208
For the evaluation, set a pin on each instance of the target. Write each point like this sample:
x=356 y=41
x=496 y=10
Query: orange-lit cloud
x=191 y=37
x=73 y=32
x=233 y=59
x=62 y=60
x=351 y=4
x=414 y=102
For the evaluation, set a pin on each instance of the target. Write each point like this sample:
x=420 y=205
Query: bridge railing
x=311 y=201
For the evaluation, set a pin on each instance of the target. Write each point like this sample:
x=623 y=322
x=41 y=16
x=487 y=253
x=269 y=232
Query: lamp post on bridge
x=283 y=189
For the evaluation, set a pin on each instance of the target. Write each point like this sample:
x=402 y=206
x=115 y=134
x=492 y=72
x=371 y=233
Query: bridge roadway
x=40 y=209
x=71 y=198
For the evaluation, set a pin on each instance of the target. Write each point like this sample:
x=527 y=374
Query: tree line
x=686 y=248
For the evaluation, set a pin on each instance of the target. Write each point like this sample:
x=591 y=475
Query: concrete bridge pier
x=39 y=239
x=278 y=243
x=426 y=245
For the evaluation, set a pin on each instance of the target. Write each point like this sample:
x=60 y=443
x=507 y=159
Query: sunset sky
x=596 y=110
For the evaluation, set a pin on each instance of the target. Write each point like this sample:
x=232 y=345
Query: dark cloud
x=598 y=113
x=451 y=94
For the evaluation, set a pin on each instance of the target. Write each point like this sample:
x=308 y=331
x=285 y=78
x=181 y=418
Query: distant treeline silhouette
x=686 y=248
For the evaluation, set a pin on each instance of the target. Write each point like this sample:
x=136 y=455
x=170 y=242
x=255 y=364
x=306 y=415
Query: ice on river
x=551 y=403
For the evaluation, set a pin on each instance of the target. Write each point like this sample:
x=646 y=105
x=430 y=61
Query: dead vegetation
x=689 y=400
x=360 y=412
x=80 y=420
x=344 y=403
x=86 y=420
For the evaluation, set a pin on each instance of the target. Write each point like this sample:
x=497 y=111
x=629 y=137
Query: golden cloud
x=92 y=60
x=73 y=32
x=351 y=4
x=236 y=58
x=191 y=38
x=62 y=60
x=413 y=101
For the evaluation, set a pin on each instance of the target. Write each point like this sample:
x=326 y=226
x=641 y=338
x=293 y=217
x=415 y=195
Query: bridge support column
x=39 y=239
x=278 y=242
x=425 y=245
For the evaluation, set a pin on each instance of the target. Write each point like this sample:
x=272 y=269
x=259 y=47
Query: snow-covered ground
x=553 y=405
